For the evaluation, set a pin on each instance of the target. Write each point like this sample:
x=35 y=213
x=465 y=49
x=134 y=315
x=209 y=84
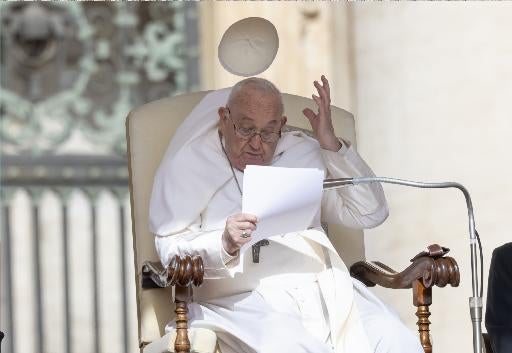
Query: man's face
x=251 y=111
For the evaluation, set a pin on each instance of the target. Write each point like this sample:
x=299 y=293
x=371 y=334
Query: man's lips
x=253 y=156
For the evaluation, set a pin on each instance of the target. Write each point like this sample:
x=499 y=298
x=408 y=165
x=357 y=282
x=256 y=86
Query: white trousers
x=276 y=321
x=386 y=332
x=253 y=326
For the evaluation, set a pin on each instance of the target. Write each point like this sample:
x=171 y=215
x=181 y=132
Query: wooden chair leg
x=182 y=272
x=182 y=343
x=422 y=299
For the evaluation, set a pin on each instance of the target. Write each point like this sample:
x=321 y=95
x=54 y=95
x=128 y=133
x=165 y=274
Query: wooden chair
x=149 y=129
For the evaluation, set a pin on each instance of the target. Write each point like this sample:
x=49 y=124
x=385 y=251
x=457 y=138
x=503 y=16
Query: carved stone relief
x=71 y=66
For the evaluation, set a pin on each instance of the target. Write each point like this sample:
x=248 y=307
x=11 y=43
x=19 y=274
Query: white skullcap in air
x=249 y=46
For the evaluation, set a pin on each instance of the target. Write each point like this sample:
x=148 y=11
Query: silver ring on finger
x=245 y=234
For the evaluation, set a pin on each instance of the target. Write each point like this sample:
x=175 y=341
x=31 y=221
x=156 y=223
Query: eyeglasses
x=247 y=133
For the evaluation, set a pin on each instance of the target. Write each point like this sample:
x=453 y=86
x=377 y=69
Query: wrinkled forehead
x=261 y=107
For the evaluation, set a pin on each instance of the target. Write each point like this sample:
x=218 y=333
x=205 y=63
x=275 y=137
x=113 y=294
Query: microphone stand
x=475 y=302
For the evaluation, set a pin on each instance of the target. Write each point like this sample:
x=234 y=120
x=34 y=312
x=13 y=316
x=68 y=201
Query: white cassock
x=300 y=296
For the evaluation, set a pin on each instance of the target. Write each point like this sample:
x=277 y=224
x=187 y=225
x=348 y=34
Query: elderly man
x=299 y=296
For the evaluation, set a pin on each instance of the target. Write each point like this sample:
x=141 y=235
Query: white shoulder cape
x=194 y=166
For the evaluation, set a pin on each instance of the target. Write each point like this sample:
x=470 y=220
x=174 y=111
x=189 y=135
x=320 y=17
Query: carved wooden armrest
x=429 y=268
x=182 y=272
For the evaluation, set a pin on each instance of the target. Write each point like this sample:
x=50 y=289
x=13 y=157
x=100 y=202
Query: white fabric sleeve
x=207 y=244
x=359 y=206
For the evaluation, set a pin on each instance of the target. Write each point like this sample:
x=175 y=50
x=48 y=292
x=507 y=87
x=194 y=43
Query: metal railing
x=62 y=176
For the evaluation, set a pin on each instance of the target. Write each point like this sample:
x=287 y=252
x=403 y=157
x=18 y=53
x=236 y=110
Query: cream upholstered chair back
x=149 y=129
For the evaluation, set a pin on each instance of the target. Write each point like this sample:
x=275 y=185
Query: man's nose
x=255 y=141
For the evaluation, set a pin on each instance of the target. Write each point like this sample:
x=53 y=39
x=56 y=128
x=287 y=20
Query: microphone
x=475 y=302
x=336 y=183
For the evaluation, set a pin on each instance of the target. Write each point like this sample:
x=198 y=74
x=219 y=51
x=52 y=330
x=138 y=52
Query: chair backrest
x=149 y=129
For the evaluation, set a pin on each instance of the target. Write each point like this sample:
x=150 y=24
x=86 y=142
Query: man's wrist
x=228 y=247
x=331 y=144
x=230 y=251
x=226 y=255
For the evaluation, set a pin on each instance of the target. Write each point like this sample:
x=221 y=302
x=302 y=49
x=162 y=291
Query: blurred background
x=430 y=85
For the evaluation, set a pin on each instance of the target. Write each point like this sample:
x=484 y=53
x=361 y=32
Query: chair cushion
x=201 y=341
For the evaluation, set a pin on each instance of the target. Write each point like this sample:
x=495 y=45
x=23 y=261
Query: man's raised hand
x=239 y=228
x=321 y=122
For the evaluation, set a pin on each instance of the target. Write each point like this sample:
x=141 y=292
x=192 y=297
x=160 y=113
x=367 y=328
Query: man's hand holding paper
x=238 y=231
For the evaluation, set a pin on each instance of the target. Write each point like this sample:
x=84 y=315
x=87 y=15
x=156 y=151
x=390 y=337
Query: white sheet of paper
x=284 y=199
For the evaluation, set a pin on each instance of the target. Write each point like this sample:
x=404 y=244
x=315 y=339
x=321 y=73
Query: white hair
x=260 y=84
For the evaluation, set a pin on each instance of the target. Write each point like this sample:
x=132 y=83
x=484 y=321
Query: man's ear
x=283 y=121
x=222 y=118
x=222 y=113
